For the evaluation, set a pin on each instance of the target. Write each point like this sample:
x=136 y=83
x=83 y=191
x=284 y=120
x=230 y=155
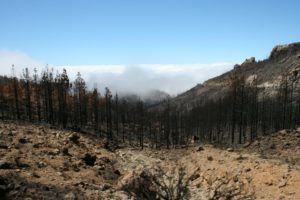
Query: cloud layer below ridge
x=140 y=78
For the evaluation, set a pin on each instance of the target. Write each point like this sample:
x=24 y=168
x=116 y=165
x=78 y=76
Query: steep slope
x=283 y=58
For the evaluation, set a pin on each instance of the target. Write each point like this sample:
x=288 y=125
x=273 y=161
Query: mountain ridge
x=267 y=72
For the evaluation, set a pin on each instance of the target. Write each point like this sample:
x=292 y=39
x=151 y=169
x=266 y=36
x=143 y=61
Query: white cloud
x=19 y=59
x=171 y=78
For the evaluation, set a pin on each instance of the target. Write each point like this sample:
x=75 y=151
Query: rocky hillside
x=40 y=162
x=283 y=58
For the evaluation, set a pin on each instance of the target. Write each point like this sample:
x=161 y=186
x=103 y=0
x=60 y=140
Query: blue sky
x=133 y=32
x=147 y=31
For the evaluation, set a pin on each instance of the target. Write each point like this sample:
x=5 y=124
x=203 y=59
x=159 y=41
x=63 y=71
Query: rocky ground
x=38 y=162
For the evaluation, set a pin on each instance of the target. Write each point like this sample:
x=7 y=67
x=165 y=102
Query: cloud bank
x=140 y=78
x=170 y=78
x=19 y=59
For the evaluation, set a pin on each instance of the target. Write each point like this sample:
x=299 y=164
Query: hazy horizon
x=137 y=79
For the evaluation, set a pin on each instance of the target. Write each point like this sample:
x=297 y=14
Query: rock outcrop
x=280 y=51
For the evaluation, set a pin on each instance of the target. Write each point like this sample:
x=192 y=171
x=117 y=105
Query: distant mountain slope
x=150 y=98
x=283 y=58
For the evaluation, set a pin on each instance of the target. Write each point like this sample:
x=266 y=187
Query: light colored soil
x=266 y=169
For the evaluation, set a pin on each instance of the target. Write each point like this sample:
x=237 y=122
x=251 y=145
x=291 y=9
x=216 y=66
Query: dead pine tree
x=27 y=83
x=109 y=133
x=16 y=94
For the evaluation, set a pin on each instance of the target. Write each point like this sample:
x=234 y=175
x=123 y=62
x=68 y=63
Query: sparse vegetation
x=159 y=185
x=42 y=167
